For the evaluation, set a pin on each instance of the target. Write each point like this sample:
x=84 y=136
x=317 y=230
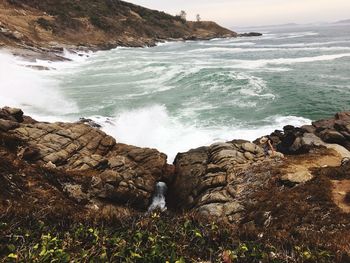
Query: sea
x=182 y=95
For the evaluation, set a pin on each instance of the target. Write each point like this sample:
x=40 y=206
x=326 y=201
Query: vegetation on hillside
x=113 y=17
x=154 y=238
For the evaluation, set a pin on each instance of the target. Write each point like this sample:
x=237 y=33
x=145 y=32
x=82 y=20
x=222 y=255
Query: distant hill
x=95 y=23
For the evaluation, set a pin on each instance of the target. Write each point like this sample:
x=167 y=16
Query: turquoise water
x=181 y=95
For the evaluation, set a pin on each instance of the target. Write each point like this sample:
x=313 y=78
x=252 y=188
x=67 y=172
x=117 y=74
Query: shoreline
x=56 y=53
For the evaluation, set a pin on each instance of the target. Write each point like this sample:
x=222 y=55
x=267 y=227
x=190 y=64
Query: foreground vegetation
x=279 y=221
x=153 y=238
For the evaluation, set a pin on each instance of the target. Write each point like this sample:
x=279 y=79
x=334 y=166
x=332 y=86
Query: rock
x=332 y=136
x=30 y=154
x=211 y=180
x=344 y=116
x=251 y=147
x=310 y=139
x=110 y=176
x=89 y=122
x=308 y=128
x=250 y=34
x=206 y=180
x=290 y=141
x=15 y=112
x=323 y=124
x=50 y=165
x=6 y=125
x=277 y=155
x=335 y=130
x=75 y=192
x=117 y=161
x=297 y=177
x=248 y=156
x=77 y=147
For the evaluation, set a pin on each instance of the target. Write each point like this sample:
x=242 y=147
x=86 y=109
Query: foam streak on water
x=182 y=95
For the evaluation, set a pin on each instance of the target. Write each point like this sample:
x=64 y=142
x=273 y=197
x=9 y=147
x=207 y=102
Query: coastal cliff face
x=94 y=24
x=55 y=170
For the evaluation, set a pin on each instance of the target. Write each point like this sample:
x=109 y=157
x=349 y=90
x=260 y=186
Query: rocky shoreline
x=42 y=29
x=234 y=182
x=34 y=30
x=291 y=204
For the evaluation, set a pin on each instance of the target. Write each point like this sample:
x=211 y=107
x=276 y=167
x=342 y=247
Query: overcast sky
x=233 y=13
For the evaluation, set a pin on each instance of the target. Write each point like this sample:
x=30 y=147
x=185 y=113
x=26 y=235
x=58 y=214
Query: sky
x=231 y=13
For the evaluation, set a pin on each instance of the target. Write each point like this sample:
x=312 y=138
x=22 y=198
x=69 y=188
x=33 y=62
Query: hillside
x=94 y=24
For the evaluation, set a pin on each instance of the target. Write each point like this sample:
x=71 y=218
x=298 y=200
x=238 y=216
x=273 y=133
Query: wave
x=264 y=48
x=297 y=35
x=30 y=90
x=306 y=44
x=254 y=64
x=153 y=126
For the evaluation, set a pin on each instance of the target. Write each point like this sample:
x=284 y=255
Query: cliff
x=50 y=24
x=231 y=198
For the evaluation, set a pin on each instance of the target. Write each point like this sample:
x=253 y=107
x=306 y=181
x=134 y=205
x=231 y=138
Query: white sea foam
x=309 y=44
x=153 y=127
x=254 y=64
x=28 y=89
x=297 y=35
x=269 y=48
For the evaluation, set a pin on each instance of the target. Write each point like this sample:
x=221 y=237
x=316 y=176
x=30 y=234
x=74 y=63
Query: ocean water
x=182 y=95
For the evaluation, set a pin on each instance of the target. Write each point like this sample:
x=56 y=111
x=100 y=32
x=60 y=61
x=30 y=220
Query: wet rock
x=89 y=122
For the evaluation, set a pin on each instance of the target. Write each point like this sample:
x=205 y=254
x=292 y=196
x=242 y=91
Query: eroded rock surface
x=215 y=181
x=331 y=133
x=116 y=172
x=208 y=179
x=219 y=180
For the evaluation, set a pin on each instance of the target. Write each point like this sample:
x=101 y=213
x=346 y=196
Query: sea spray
x=158 y=201
x=154 y=127
x=30 y=89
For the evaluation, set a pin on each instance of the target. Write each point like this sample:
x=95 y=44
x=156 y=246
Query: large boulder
x=334 y=130
x=119 y=173
x=206 y=178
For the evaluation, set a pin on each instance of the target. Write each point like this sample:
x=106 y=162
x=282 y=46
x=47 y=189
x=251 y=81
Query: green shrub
x=157 y=238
